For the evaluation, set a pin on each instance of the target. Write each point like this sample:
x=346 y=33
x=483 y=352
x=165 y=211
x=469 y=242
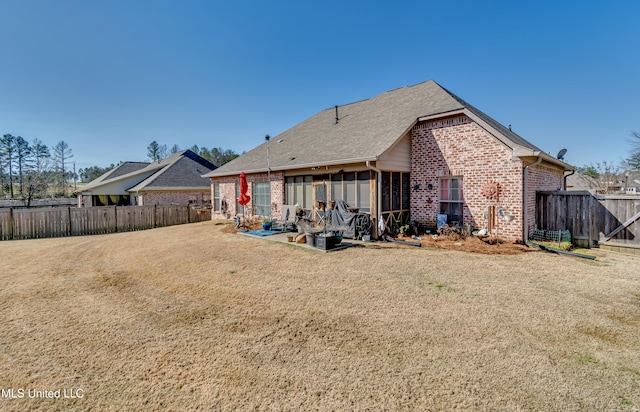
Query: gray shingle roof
x=182 y=170
x=179 y=171
x=120 y=170
x=365 y=130
x=505 y=131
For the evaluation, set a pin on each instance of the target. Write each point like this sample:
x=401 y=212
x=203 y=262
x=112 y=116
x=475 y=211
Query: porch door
x=319 y=195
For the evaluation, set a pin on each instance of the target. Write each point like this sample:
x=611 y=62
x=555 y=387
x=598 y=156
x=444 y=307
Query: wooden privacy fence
x=70 y=221
x=591 y=219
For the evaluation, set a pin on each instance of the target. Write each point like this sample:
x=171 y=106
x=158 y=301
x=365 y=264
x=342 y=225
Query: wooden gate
x=591 y=219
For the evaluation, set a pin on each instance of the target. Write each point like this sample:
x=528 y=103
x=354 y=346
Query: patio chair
x=288 y=221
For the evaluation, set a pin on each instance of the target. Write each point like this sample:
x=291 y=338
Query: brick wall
x=457 y=146
x=228 y=193
x=170 y=198
x=541 y=177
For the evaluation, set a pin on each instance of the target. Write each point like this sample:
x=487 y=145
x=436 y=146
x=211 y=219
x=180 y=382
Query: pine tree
x=61 y=155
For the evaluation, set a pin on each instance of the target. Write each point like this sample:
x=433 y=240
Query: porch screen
x=111 y=200
x=352 y=187
x=299 y=190
x=395 y=191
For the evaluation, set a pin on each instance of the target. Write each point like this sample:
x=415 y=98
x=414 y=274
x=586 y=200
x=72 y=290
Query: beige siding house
x=174 y=180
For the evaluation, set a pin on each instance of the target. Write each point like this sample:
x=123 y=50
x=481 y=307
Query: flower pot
x=266 y=226
x=311 y=239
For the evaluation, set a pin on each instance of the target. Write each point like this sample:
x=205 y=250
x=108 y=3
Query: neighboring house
x=174 y=180
x=581 y=182
x=627 y=182
x=409 y=154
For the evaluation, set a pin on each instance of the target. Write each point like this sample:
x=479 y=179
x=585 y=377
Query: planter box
x=325 y=242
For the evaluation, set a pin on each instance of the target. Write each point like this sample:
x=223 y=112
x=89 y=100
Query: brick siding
x=229 y=195
x=454 y=146
x=171 y=198
x=457 y=146
x=541 y=177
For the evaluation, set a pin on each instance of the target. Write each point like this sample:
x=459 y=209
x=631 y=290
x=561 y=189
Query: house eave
x=439 y=115
x=293 y=166
x=522 y=153
x=171 y=189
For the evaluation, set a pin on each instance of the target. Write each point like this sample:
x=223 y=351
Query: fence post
x=11 y=223
x=115 y=217
x=69 y=224
x=155 y=215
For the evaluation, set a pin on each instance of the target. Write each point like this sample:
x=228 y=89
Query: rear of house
x=414 y=154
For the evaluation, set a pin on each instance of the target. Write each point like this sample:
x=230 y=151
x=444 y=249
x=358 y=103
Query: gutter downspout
x=564 y=187
x=525 y=188
x=379 y=192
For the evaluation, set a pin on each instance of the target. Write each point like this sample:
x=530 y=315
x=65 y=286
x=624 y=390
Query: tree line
x=30 y=170
x=217 y=155
x=610 y=176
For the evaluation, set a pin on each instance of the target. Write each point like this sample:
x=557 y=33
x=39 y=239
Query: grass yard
x=193 y=318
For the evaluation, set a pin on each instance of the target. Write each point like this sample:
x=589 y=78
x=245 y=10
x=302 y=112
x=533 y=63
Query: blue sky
x=109 y=77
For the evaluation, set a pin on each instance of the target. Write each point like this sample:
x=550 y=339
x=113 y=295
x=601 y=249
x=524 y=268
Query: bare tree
x=23 y=156
x=156 y=151
x=7 y=151
x=41 y=156
x=61 y=155
x=634 y=160
x=605 y=175
x=35 y=180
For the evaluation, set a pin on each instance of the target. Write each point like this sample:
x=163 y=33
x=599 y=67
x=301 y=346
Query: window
x=262 y=199
x=395 y=194
x=451 y=199
x=216 y=197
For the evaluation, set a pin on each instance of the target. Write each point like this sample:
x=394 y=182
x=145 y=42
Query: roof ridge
x=165 y=166
x=506 y=131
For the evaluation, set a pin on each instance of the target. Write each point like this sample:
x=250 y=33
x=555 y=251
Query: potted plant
x=266 y=224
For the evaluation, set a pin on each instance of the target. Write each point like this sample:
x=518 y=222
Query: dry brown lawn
x=191 y=317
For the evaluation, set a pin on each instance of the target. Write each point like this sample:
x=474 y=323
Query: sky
x=109 y=77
